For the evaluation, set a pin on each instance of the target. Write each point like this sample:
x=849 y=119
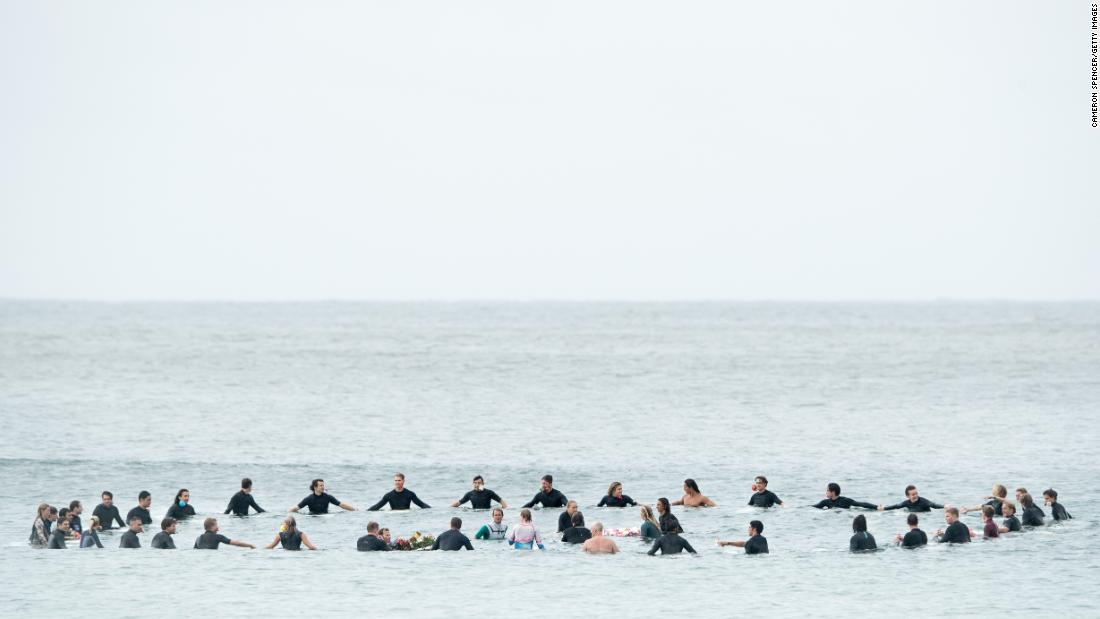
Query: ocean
x=950 y=396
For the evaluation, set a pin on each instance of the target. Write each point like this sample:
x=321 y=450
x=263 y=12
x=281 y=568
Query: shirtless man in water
x=598 y=544
x=692 y=497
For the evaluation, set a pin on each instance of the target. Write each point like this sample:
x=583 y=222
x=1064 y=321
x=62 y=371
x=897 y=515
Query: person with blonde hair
x=650 y=529
x=565 y=519
x=615 y=497
x=996 y=500
x=39 y=538
x=290 y=537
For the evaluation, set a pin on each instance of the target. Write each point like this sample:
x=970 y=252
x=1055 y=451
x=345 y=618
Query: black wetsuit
x=997 y=506
x=955 y=533
x=318 y=503
x=671 y=544
x=371 y=542
x=399 y=500
x=452 y=540
x=179 y=513
x=129 y=539
x=920 y=505
x=843 y=502
x=1012 y=523
x=480 y=499
x=140 y=512
x=914 y=539
x=210 y=540
x=766 y=498
x=576 y=535
x=240 y=503
x=669 y=522
x=564 y=521
x=108 y=516
x=75 y=525
x=862 y=541
x=757 y=545
x=1056 y=511
x=554 y=498
x=163 y=541
x=57 y=539
x=612 y=501
x=1032 y=516
x=291 y=541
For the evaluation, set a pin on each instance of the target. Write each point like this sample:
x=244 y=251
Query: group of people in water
x=54 y=527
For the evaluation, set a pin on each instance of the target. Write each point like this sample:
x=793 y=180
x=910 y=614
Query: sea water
x=952 y=397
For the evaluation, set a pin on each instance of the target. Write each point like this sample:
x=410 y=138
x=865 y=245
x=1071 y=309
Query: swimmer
x=577 y=533
x=290 y=537
x=1032 y=516
x=107 y=512
x=75 y=509
x=211 y=539
x=667 y=521
x=495 y=529
x=861 y=541
x=51 y=518
x=914 y=538
x=90 y=537
x=479 y=497
x=996 y=498
x=913 y=502
x=372 y=541
x=57 y=536
x=565 y=519
x=130 y=538
x=40 y=538
x=181 y=507
x=692 y=497
x=385 y=533
x=956 y=532
x=399 y=497
x=1011 y=523
x=598 y=544
x=615 y=497
x=243 y=500
x=1050 y=497
x=163 y=540
x=833 y=500
x=319 y=500
x=547 y=496
x=757 y=544
x=524 y=536
x=452 y=538
x=762 y=497
x=142 y=510
x=63 y=516
x=650 y=529
x=989 y=528
x=670 y=544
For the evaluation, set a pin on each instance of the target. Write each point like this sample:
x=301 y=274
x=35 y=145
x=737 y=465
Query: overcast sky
x=536 y=150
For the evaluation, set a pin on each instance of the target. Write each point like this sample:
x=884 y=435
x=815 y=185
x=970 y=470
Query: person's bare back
x=598 y=544
x=695 y=500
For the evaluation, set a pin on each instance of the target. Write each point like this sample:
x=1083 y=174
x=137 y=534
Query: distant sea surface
x=952 y=397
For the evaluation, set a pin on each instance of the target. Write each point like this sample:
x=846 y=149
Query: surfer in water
x=693 y=497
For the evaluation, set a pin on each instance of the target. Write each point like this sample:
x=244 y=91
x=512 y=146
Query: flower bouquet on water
x=416 y=541
x=627 y=532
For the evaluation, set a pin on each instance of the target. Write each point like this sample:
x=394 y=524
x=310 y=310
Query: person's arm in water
x=237 y=542
x=679 y=501
x=864 y=505
x=300 y=505
x=308 y=544
x=738 y=544
x=273 y=544
x=415 y=499
x=252 y=502
x=114 y=513
x=377 y=506
x=341 y=505
x=532 y=502
x=496 y=497
x=655 y=548
x=890 y=507
x=228 y=508
x=435 y=544
x=468 y=545
x=707 y=502
x=687 y=546
x=465 y=497
x=820 y=504
x=602 y=502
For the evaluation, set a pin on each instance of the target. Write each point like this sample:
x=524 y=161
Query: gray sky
x=569 y=150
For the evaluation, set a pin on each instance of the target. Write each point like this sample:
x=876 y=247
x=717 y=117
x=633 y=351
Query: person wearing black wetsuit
x=671 y=544
x=913 y=502
x=577 y=533
x=480 y=497
x=996 y=500
x=75 y=509
x=1050 y=496
x=757 y=544
x=762 y=497
x=615 y=497
x=833 y=500
x=1011 y=523
x=565 y=519
x=290 y=537
x=130 y=538
x=1032 y=515
x=665 y=519
x=453 y=538
x=243 y=500
x=399 y=497
x=181 y=507
x=371 y=541
x=107 y=513
x=548 y=496
x=211 y=538
x=57 y=536
x=914 y=538
x=142 y=510
x=861 y=540
x=956 y=532
x=163 y=539
x=319 y=500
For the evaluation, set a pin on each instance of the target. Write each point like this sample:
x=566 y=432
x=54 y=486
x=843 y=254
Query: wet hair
x=313 y=484
x=548 y=479
x=94 y=520
x=246 y=483
x=42 y=507
x=456 y=523
x=1021 y=490
x=954 y=511
x=834 y=488
x=1000 y=490
x=64 y=513
x=291 y=525
x=859 y=524
x=690 y=483
x=73 y=505
x=209 y=523
x=144 y=494
x=671 y=524
x=908 y=488
x=131 y=519
x=179 y=494
x=663 y=503
x=1008 y=505
x=647 y=513
x=759 y=526
x=912 y=520
x=167 y=523
x=1026 y=500
x=497 y=509
x=525 y=515
x=53 y=510
x=577 y=520
x=401 y=475
x=106 y=493
x=987 y=511
x=64 y=522
x=611 y=488
x=1051 y=492
x=763 y=480
x=477 y=477
x=372 y=527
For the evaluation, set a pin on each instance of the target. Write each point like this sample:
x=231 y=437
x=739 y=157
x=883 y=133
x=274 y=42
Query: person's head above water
x=950 y=514
x=498 y=515
x=1021 y=491
x=647 y=514
x=1050 y=496
x=135 y=524
x=75 y=508
x=759 y=483
x=290 y=525
x=525 y=515
x=832 y=491
x=246 y=485
x=372 y=528
x=168 y=525
x=43 y=511
x=182 y=497
x=63 y=524
x=547 y=483
x=662 y=506
x=577 y=519
x=859 y=524
x=690 y=487
x=987 y=512
x=107 y=498
x=755 y=528
x=399 y=481
x=912 y=520
x=94 y=523
x=384 y=533
x=1026 y=500
x=145 y=499
x=317 y=486
x=911 y=493
x=1009 y=508
x=479 y=482
x=456 y=523
x=571 y=507
x=615 y=490
x=1000 y=491
x=597 y=529
x=210 y=524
